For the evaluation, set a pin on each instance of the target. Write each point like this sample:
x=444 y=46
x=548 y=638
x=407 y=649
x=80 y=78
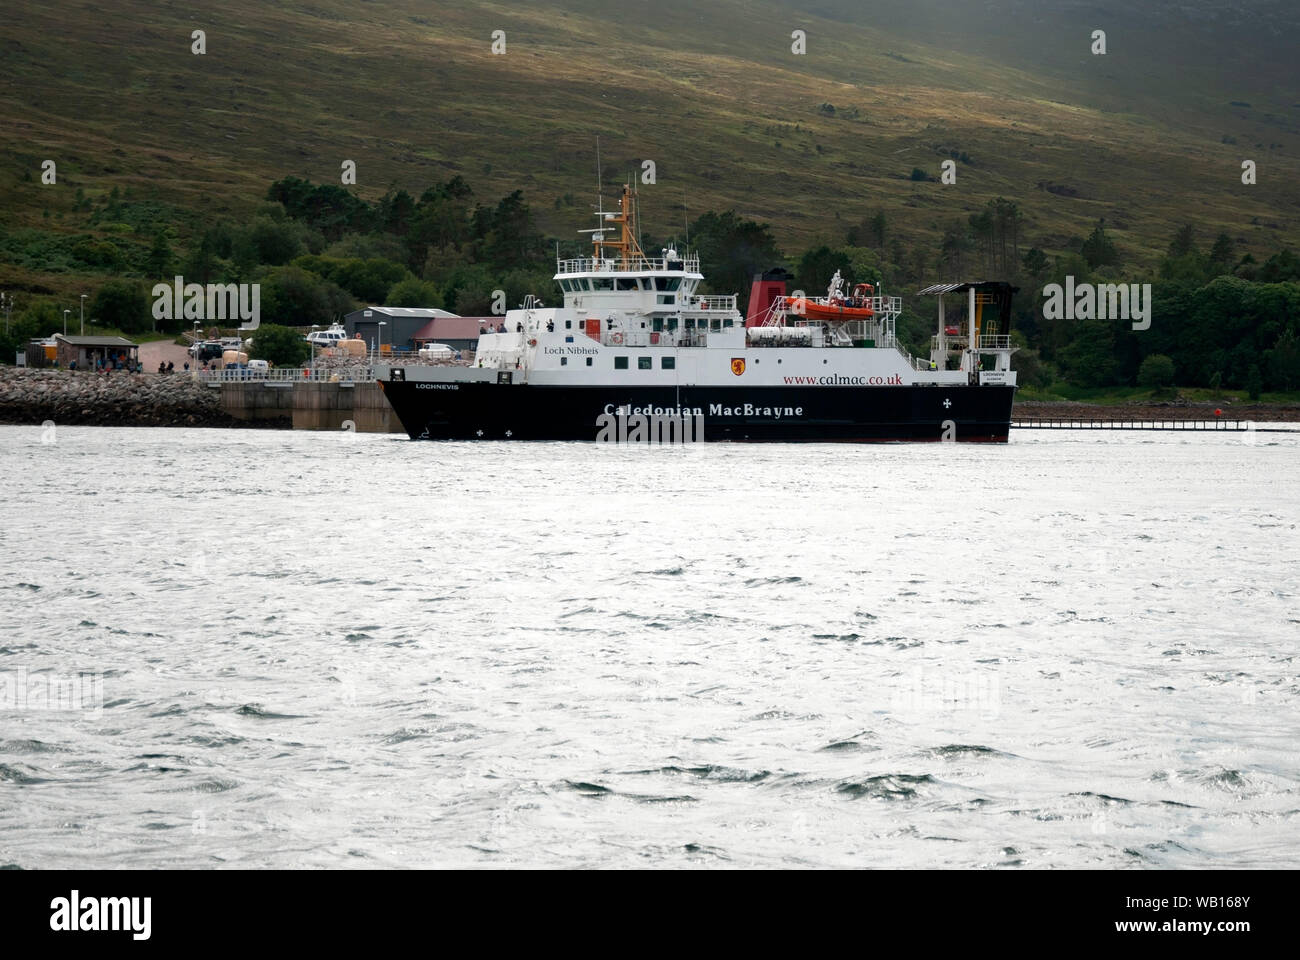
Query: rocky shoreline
x=85 y=398
x=1173 y=410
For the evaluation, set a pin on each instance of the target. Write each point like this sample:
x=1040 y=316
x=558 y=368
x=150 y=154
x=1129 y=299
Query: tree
x=330 y=209
x=473 y=299
x=396 y=210
x=1283 y=363
x=122 y=304
x=1184 y=241
x=1222 y=251
x=1254 y=383
x=35 y=321
x=413 y=293
x=1157 y=371
x=918 y=174
x=201 y=265
x=506 y=237
x=280 y=345
x=952 y=249
x=1097 y=249
x=368 y=280
x=1089 y=357
x=1283 y=265
x=732 y=250
x=291 y=295
x=266 y=241
x=158 y=263
x=1035 y=262
x=816 y=268
x=878 y=227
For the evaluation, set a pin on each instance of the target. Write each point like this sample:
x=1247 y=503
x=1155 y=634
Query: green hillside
x=711 y=92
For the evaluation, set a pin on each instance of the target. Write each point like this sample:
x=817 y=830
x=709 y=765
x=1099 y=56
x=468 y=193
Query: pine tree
x=1184 y=241
x=158 y=262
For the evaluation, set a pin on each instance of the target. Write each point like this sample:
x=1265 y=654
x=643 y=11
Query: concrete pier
x=312 y=405
x=327 y=406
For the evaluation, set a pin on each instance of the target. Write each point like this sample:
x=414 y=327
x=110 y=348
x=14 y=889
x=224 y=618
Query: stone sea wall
x=29 y=396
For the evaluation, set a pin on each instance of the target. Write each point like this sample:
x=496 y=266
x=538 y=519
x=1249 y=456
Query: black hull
x=492 y=411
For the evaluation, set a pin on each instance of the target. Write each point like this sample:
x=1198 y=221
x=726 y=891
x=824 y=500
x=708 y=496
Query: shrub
x=122 y=304
x=1157 y=371
x=280 y=345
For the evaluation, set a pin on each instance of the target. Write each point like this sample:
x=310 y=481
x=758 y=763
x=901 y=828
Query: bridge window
x=667 y=298
x=668 y=363
x=564 y=285
x=602 y=283
x=672 y=323
x=585 y=284
x=620 y=363
x=568 y=324
x=667 y=283
x=626 y=283
x=657 y=324
x=643 y=363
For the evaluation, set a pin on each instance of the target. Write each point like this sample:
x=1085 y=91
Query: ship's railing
x=887 y=305
x=654 y=338
x=959 y=341
x=689 y=263
x=725 y=304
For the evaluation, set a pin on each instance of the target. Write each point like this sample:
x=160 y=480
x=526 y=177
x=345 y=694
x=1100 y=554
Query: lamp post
x=65 y=322
x=7 y=305
x=314 y=328
x=380 y=336
x=83 y=314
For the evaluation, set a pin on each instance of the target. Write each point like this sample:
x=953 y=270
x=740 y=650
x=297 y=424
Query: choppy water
x=1073 y=650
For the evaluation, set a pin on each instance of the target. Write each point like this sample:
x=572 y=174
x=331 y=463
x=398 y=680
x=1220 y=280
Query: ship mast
x=625 y=247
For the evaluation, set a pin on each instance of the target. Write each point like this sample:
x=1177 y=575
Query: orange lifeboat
x=835 y=306
x=852 y=308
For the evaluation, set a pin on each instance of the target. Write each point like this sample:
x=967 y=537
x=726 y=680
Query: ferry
x=635 y=344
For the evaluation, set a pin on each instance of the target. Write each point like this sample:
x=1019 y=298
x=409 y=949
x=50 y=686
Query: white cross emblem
x=947 y=404
x=509 y=433
x=480 y=433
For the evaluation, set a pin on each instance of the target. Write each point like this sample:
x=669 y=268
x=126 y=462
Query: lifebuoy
x=616 y=338
x=532 y=342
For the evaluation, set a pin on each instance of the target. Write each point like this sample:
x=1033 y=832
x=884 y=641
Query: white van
x=438 y=351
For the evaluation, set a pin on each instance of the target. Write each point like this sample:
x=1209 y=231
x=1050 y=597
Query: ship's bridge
x=638 y=284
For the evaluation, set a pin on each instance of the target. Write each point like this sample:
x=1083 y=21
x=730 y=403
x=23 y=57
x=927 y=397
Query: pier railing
x=356 y=374
x=1095 y=423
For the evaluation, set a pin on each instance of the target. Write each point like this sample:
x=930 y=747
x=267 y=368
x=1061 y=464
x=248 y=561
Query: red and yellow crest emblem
x=738 y=365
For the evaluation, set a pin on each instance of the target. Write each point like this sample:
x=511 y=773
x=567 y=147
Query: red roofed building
x=460 y=333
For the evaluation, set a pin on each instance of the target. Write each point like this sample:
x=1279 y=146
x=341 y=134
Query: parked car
x=258 y=368
x=206 y=350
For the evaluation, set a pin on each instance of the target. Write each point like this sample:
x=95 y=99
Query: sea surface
x=226 y=648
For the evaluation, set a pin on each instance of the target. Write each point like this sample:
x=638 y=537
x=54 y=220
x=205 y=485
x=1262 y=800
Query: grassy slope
x=410 y=91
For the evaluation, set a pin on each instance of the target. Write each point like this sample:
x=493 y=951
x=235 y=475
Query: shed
x=86 y=351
